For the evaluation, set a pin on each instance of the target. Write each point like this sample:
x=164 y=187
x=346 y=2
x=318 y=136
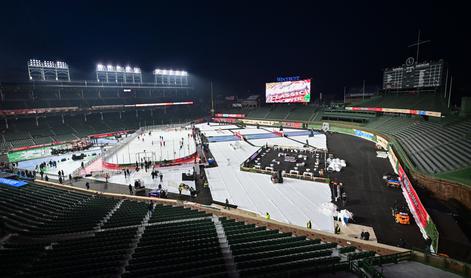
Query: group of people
x=161 y=141
x=127 y=173
x=50 y=163
x=61 y=176
x=365 y=235
x=27 y=174
x=144 y=164
x=156 y=174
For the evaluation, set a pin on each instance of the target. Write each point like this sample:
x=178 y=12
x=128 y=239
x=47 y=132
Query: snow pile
x=335 y=164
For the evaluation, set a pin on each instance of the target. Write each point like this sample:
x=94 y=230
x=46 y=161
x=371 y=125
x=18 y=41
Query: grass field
x=462 y=176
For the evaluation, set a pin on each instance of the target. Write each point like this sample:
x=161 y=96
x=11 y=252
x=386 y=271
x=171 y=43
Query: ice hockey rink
x=294 y=201
x=156 y=145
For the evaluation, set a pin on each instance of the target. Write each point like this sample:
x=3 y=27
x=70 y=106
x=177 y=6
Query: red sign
x=104 y=135
x=292 y=124
x=414 y=201
x=224 y=120
x=13 y=112
x=221 y=115
x=396 y=110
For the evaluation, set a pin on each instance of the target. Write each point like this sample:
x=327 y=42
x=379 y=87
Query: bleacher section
x=259 y=113
x=181 y=249
x=24 y=132
x=61 y=232
x=303 y=113
x=309 y=114
x=433 y=147
x=79 y=116
x=421 y=101
x=257 y=251
x=101 y=255
x=279 y=113
x=348 y=116
x=54 y=211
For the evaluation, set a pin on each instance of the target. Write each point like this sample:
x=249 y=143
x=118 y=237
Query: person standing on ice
x=267 y=216
x=309 y=224
x=228 y=161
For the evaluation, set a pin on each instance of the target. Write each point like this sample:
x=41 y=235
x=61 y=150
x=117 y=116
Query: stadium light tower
x=48 y=70
x=170 y=77
x=118 y=74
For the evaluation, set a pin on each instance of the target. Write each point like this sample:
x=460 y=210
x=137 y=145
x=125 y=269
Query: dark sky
x=239 y=45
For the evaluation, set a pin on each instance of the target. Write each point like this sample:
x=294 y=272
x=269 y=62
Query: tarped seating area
x=183 y=249
x=37 y=210
x=129 y=213
x=100 y=255
x=176 y=242
x=259 y=251
x=164 y=213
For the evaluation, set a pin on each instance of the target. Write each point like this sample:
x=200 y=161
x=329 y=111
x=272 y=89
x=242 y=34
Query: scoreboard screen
x=412 y=75
x=288 y=91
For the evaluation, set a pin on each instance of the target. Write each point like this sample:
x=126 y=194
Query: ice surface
x=149 y=146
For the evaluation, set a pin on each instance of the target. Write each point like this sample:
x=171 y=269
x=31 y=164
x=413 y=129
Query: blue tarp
x=299 y=133
x=14 y=183
x=224 y=138
x=260 y=136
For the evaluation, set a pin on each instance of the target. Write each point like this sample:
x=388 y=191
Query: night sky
x=239 y=45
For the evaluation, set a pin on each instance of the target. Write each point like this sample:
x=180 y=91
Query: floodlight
x=137 y=70
x=48 y=70
x=128 y=69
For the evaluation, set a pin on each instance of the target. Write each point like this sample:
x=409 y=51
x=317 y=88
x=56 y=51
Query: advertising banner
x=224 y=120
x=382 y=142
x=412 y=198
x=34 y=111
x=10 y=182
x=104 y=135
x=260 y=122
x=364 y=134
x=221 y=115
x=292 y=124
x=396 y=110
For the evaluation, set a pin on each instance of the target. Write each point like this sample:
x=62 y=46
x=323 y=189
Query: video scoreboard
x=294 y=91
x=412 y=75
